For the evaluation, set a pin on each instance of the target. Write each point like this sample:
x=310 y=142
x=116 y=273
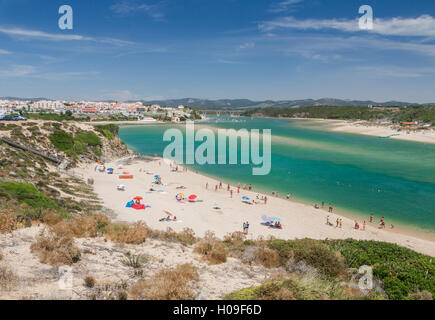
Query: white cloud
x=395 y=71
x=119 y=95
x=423 y=26
x=4 y=51
x=36 y=34
x=18 y=71
x=283 y=5
x=247 y=45
x=128 y=7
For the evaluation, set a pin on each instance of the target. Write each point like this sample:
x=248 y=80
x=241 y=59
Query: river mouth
x=359 y=175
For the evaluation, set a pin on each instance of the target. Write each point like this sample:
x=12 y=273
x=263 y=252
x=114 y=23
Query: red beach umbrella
x=137 y=198
x=192 y=197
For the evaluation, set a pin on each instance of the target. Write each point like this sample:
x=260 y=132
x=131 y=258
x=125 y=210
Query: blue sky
x=256 y=49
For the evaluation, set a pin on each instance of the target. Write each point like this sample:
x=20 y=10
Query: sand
x=361 y=127
x=299 y=220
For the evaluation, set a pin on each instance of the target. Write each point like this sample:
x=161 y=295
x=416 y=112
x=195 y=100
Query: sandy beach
x=362 y=127
x=299 y=220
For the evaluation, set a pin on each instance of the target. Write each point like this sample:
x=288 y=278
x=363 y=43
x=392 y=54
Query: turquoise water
x=358 y=174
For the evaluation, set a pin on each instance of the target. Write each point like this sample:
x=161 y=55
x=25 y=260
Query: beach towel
x=138 y=206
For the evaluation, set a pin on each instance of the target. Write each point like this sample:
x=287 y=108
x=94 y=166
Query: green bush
x=402 y=271
x=26 y=193
x=62 y=140
x=89 y=137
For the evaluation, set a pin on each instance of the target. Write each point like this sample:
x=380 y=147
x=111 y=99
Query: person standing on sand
x=231 y=193
x=228 y=187
x=247 y=227
x=220 y=185
x=216 y=188
x=371 y=218
x=206 y=185
x=330 y=208
x=323 y=204
x=265 y=200
x=337 y=222
x=238 y=189
x=364 y=225
x=250 y=187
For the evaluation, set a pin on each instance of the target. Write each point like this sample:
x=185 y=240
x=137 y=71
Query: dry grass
x=89 y=281
x=185 y=237
x=8 y=222
x=85 y=226
x=7 y=278
x=212 y=249
x=266 y=257
x=1 y=255
x=167 y=285
x=56 y=246
x=51 y=217
x=125 y=233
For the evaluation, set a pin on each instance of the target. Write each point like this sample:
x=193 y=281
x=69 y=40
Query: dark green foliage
x=62 y=140
x=108 y=130
x=89 y=137
x=395 y=114
x=26 y=193
x=401 y=270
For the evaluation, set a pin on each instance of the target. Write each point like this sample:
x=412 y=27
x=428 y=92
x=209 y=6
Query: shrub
x=1 y=255
x=8 y=222
x=401 y=270
x=212 y=249
x=56 y=247
x=62 y=140
x=26 y=193
x=85 y=226
x=89 y=138
x=315 y=253
x=7 y=278
x=133 y=234
x=89 y=281
x=51 y=217
x=267 y=257
x=167 y=285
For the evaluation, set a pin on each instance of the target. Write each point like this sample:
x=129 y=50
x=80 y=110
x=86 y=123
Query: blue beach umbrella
x=245 y=198
x=157 y=176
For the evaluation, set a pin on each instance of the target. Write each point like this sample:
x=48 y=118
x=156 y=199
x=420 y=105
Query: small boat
x=394 y=134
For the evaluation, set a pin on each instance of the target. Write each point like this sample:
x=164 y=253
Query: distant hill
x=246 y=103
x=23 y=99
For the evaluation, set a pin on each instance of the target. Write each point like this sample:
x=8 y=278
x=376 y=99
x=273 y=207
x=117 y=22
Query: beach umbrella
x=245 y=198
x=192 y=197
x=216 y=204
x=110 y=169
x=138 y=198
x=265 y=218
x=274 y=219
x=157 y=176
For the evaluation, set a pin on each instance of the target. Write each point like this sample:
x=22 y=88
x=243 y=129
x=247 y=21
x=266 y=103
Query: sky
x=254 y=49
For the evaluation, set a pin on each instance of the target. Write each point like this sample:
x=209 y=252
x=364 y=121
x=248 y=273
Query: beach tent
x=120 y=187
x=129 y=204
